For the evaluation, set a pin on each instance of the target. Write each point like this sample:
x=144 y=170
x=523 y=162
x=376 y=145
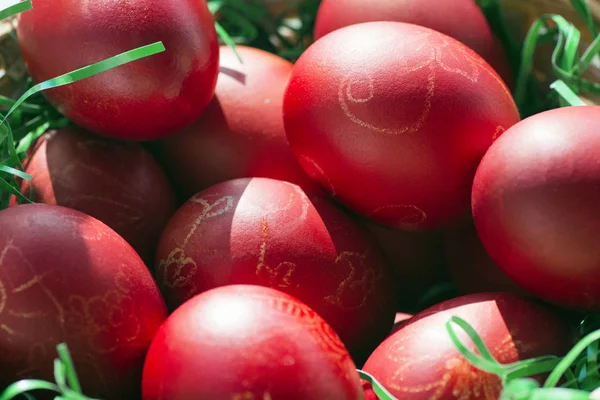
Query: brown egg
x=116 y=182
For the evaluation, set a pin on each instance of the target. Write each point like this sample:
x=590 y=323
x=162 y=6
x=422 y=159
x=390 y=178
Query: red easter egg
x=471 y=267
x=142 y=100
x=65 y=277
x=460 y=19
x=393 y=119
x=535 y=205
x=118 y=183
x=270 y=233
x=369 y=394
x=249 y=342
x=241 y=132
x=420 y=361
x=416 y=259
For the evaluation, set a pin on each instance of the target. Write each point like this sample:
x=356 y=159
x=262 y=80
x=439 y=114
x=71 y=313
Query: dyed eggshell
x=142 y=100
x=535 y=206
x=470 y=265
x=249 y=342
x=369 y=394
x=66 y=277
x=241 y=132
x=118 y=183
x=420 y=361
x=459 y=19
x=416 y=259
x=392 y=119
x=270 y=233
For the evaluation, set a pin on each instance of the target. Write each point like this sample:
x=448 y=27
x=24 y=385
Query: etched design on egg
x=178 y=272
x=209 y=210
x=446 y=53
x=250 y=396
x=347 y=96
x=360 y=88
x=96 y=317
x=353 y=292
x=296 y=195
x=402 y=215
x=280 y=276
x=25 y=299
x=21 y=287
x=460 y=378
x=325 y=336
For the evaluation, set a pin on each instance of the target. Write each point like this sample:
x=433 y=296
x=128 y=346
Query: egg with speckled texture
x=66 y=277
x=119 y=183
x=250 y=342
x=267 y=232
x=393 y=119
x=420 y=361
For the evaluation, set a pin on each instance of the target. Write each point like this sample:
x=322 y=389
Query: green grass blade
x=381 y=392
x=485 y=361
x=586 y=14
x=224 y=35
x=15 y=9
x=19 y=388
x=567 y=94
x=90 y=70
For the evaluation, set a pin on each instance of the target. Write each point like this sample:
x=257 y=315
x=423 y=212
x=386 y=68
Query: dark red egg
x=65 y=277
x=420 y=361
x=536 y=207
x=268 y=232
x=118 y=183
x=241 y=132
x=416 y=259
x=460 y=19
x=393 y=119
x=470 y=265
x=143 y=100
x=249 y=342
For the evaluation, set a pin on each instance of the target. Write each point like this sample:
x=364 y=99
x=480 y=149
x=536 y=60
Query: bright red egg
x=460 y=19
x=118 y=183
x=535 y=205
x=393 y=119
x=143 y=100
x=241 y=132
x=249 y=342
x=470 y=265
x=267 y=232
x=420 y=361
x=65 y=277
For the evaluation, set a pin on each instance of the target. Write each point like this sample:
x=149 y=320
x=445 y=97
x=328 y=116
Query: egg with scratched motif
x=248 y=342
x=267 y=232
x=116 y=182
x=420 y=361
x=393 y=119
x=461 y=19
x=65 y=277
